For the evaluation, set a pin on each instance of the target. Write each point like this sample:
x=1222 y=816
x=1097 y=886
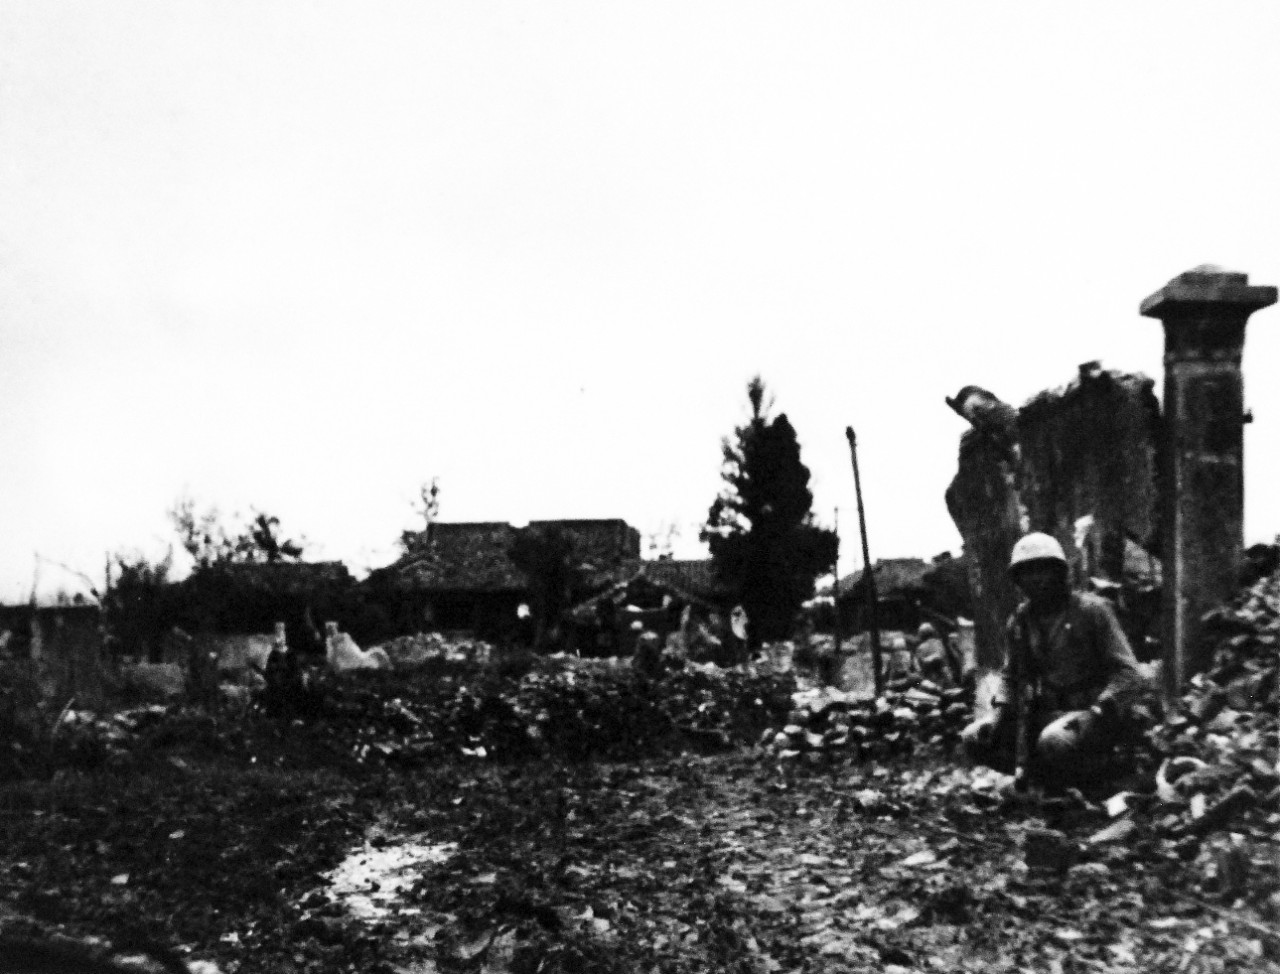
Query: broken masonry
x=1147 y=502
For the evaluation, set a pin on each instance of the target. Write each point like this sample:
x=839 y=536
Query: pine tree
x=764 y=542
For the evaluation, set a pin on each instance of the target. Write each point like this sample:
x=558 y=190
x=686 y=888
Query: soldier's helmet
x=1036 y=547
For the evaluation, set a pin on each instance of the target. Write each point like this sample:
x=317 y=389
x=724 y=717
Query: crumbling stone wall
x=983 y=503
x=1088 y=449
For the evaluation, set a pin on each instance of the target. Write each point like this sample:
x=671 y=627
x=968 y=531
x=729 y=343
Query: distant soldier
x=902 y=660
x=1070 y=672
x=606 y=628
x=284 y=683
x=647 y=659
x=935 y=662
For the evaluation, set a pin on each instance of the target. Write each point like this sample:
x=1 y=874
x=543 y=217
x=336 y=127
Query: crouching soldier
x=1068 y=681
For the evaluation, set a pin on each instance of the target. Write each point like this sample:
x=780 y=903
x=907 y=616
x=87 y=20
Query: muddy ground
x=220 y=838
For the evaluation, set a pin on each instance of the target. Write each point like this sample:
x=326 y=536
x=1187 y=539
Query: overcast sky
x=302 y=256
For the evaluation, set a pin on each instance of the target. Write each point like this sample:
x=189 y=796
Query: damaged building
x=460 y=576
x=1079 y=462
x=1146 y=498
x=661 y=596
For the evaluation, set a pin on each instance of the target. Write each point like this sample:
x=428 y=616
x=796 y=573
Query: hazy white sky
x=304 y=255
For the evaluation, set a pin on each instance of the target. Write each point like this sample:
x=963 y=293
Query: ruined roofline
x=1088 y=372
x=460 y=525
x=583 y=521
x=568 y=523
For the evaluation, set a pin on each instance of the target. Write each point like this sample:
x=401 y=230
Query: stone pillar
x=1204 y=312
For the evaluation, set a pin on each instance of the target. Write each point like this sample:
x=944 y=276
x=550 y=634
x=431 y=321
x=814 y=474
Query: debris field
x=557 y=815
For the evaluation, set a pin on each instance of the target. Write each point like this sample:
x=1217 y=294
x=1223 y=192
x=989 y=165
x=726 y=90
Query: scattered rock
x=1115 y=832
x=1219 y=743
x=912 y=715
x=1049 y=850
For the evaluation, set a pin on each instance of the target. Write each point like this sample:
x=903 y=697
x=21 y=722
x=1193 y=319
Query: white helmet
x=1036 y=547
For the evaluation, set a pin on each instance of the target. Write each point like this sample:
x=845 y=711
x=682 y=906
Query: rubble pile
x=1219 y=745
x=1209 y=797
x=913 y=714
x=85 y=740
x=725 y=706
x=557 y=708
x=406 y=652
x=449 y=707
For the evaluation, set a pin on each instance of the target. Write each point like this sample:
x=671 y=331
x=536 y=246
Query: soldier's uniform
x=1080 y=676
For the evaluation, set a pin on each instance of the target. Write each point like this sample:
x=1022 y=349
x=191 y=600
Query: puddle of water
x=369 y=881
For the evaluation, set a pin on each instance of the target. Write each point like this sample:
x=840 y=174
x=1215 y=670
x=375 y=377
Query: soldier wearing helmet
x=1075 y=663
x=933 y=658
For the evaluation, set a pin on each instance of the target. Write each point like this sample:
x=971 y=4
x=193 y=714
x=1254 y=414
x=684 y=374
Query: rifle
x=1021 y=710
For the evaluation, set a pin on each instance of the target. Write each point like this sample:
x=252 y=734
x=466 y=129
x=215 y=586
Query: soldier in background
x=901 y=662
x=933 y=659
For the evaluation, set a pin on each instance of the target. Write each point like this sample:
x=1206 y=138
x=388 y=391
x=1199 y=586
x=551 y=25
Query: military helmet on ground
x=1036 y=547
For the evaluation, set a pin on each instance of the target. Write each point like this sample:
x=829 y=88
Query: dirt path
x=688 y=865
x=722 y=863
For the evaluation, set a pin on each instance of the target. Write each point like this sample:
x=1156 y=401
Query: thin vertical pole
x=835 y=589
x=868 y=571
